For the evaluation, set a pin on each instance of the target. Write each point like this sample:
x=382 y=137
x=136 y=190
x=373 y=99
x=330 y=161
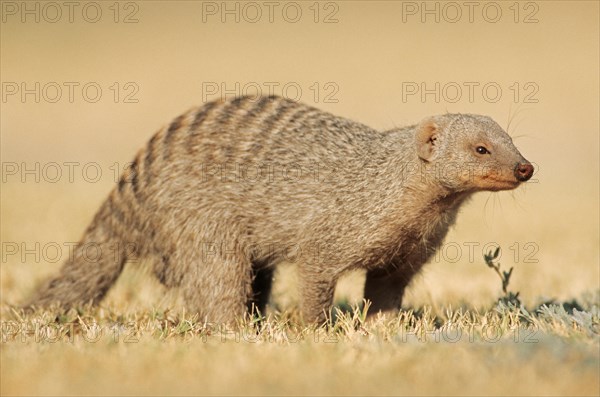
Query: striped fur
x=225 y=192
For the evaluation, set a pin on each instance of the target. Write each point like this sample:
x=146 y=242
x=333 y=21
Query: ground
x=493 y=349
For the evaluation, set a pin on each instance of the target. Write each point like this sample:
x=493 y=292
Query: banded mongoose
x=229 y=190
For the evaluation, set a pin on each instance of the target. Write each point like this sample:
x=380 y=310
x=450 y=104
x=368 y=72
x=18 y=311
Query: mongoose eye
x=482 y=150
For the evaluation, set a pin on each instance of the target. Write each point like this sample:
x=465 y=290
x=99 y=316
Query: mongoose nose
x=523 y=171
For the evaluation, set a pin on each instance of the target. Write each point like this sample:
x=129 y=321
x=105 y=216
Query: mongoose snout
x=523 y=171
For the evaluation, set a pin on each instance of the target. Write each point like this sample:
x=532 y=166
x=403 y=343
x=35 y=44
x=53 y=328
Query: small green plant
x=509 y=296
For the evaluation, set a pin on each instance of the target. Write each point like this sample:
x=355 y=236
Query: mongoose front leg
x=385 y=288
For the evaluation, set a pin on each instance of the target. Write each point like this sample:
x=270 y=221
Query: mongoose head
x=470 y=153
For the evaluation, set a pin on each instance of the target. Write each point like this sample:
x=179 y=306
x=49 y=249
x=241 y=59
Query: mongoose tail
x=91 y=269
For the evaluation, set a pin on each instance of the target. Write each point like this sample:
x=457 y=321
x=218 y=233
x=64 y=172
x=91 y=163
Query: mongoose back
x=227 y=191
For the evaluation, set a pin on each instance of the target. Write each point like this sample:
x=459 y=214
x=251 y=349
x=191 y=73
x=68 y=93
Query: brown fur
x=229 y=190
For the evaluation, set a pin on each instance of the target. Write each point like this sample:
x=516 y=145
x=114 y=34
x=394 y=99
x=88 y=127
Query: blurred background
x=85 y=85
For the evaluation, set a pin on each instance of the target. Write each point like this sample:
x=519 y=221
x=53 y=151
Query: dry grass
x=463 y=351
x=141 y=341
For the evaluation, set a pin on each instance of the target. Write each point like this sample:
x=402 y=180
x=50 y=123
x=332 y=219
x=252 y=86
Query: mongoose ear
x=426 y=137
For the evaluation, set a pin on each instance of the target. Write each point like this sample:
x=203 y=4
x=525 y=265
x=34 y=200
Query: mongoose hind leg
x=218 y=286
